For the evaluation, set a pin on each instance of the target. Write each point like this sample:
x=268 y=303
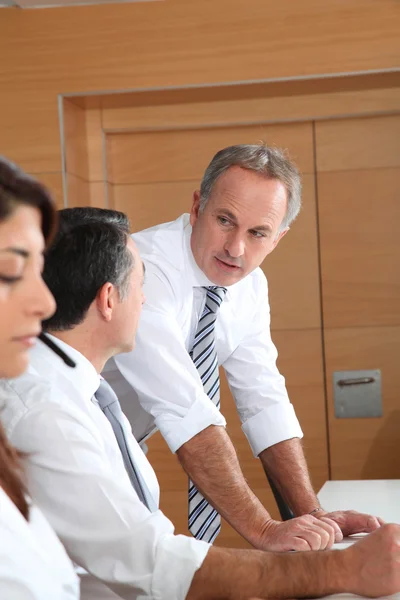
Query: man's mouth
x=226 y=265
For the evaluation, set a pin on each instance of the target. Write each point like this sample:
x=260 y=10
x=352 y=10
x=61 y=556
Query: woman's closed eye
x=10 y=278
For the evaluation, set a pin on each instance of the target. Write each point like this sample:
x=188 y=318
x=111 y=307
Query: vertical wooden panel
x=94 y=144
x=359 y=217
x=76 y=152
x=149 y=204
x=78 y=191
x=352 y=144
x=292 y=270
x=54 y=182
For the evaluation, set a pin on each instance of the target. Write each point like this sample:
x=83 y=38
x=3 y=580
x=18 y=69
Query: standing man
x=207 y=305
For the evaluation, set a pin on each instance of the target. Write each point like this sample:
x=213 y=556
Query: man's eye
x=223 y=221
x=257 y=234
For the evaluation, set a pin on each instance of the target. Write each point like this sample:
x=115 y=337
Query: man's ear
x=194 y=211
x=106 y=299
x=279 y=237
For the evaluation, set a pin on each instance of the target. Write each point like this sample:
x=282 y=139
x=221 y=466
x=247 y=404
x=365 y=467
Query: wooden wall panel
x=95 y=145
x=54 y=182
x=359 y=217
x=365 y=448
x=286 y=105
x=182 y=155
x=351 y=144
x=293 y=273
x=149 y=204
x=78 y=191
x=76 y=151
x=29 y=125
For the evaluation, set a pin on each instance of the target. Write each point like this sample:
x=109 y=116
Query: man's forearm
x=286 y=465
x=239 y=574
x=210 y=460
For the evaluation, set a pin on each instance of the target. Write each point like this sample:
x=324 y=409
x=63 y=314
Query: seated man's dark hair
x=88 y=251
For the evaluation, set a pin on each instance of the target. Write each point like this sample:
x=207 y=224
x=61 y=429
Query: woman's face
x=25 y=300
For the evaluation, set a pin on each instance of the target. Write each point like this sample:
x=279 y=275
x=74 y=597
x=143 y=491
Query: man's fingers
x=352 y=522
x=337 y=532
x=372 y=524
x=331 y=528
x=299 y=544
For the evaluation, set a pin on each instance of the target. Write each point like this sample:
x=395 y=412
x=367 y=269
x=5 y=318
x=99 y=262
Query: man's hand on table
x=351 y=521
x=302 y=534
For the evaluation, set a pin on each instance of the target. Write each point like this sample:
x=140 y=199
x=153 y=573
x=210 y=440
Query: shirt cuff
x=180 y=550
x=178 y=430
x=270 y=426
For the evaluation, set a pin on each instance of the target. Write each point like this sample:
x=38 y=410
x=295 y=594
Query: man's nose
x=235 y=246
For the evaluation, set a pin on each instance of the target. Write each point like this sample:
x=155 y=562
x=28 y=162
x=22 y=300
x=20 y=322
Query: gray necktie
x=204 y=521
x=109 y=404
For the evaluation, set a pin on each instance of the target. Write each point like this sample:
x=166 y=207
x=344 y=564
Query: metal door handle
x=355 y=381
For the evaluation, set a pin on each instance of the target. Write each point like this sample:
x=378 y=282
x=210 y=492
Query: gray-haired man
x=207 y=305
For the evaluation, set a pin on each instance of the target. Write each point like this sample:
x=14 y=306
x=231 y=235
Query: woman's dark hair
x=17 y=188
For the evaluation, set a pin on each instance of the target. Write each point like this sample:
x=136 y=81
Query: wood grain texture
x=174 y=43
x=359 y=216
x=353 y=144
x=149 y=204
x=94 y=144
x=292 y=270
x=183 y=155
x=78 y=191
x=244 y=104
x=54 y=182
x=365 y=448
x=75 y=140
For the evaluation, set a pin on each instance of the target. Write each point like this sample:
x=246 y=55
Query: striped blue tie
x=204 y=521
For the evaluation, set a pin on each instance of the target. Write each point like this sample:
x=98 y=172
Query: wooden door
x=358 y=164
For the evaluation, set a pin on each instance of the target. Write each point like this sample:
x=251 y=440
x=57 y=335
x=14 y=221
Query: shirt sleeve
x=98 y=517
x=259 y=389
x=161 y=371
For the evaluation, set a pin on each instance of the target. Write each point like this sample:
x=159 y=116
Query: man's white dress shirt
x=167 y=391
x=77 y=477
x=33 y=563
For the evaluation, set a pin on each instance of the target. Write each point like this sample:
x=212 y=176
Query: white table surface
x=376 y=497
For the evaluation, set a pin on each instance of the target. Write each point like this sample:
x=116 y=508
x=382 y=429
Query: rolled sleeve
x=180 y=550
x=270 y=426
x=201 y=414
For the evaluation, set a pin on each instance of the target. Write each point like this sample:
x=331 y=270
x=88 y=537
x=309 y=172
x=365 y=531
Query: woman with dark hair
x=33 y=563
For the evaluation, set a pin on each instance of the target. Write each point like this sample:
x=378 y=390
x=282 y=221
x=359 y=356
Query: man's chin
x=225 y=279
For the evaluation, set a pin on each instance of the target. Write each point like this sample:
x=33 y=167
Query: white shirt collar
x=83 y=376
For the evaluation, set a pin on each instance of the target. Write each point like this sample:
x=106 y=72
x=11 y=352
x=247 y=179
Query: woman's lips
x=26 y=340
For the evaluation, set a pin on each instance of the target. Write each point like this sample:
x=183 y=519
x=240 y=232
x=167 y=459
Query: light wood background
x=334 y=279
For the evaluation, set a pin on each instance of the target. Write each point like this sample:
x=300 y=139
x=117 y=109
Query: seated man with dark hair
x=91 y=479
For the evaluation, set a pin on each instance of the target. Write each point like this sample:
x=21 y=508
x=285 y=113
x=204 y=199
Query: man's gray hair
x=269 y=161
